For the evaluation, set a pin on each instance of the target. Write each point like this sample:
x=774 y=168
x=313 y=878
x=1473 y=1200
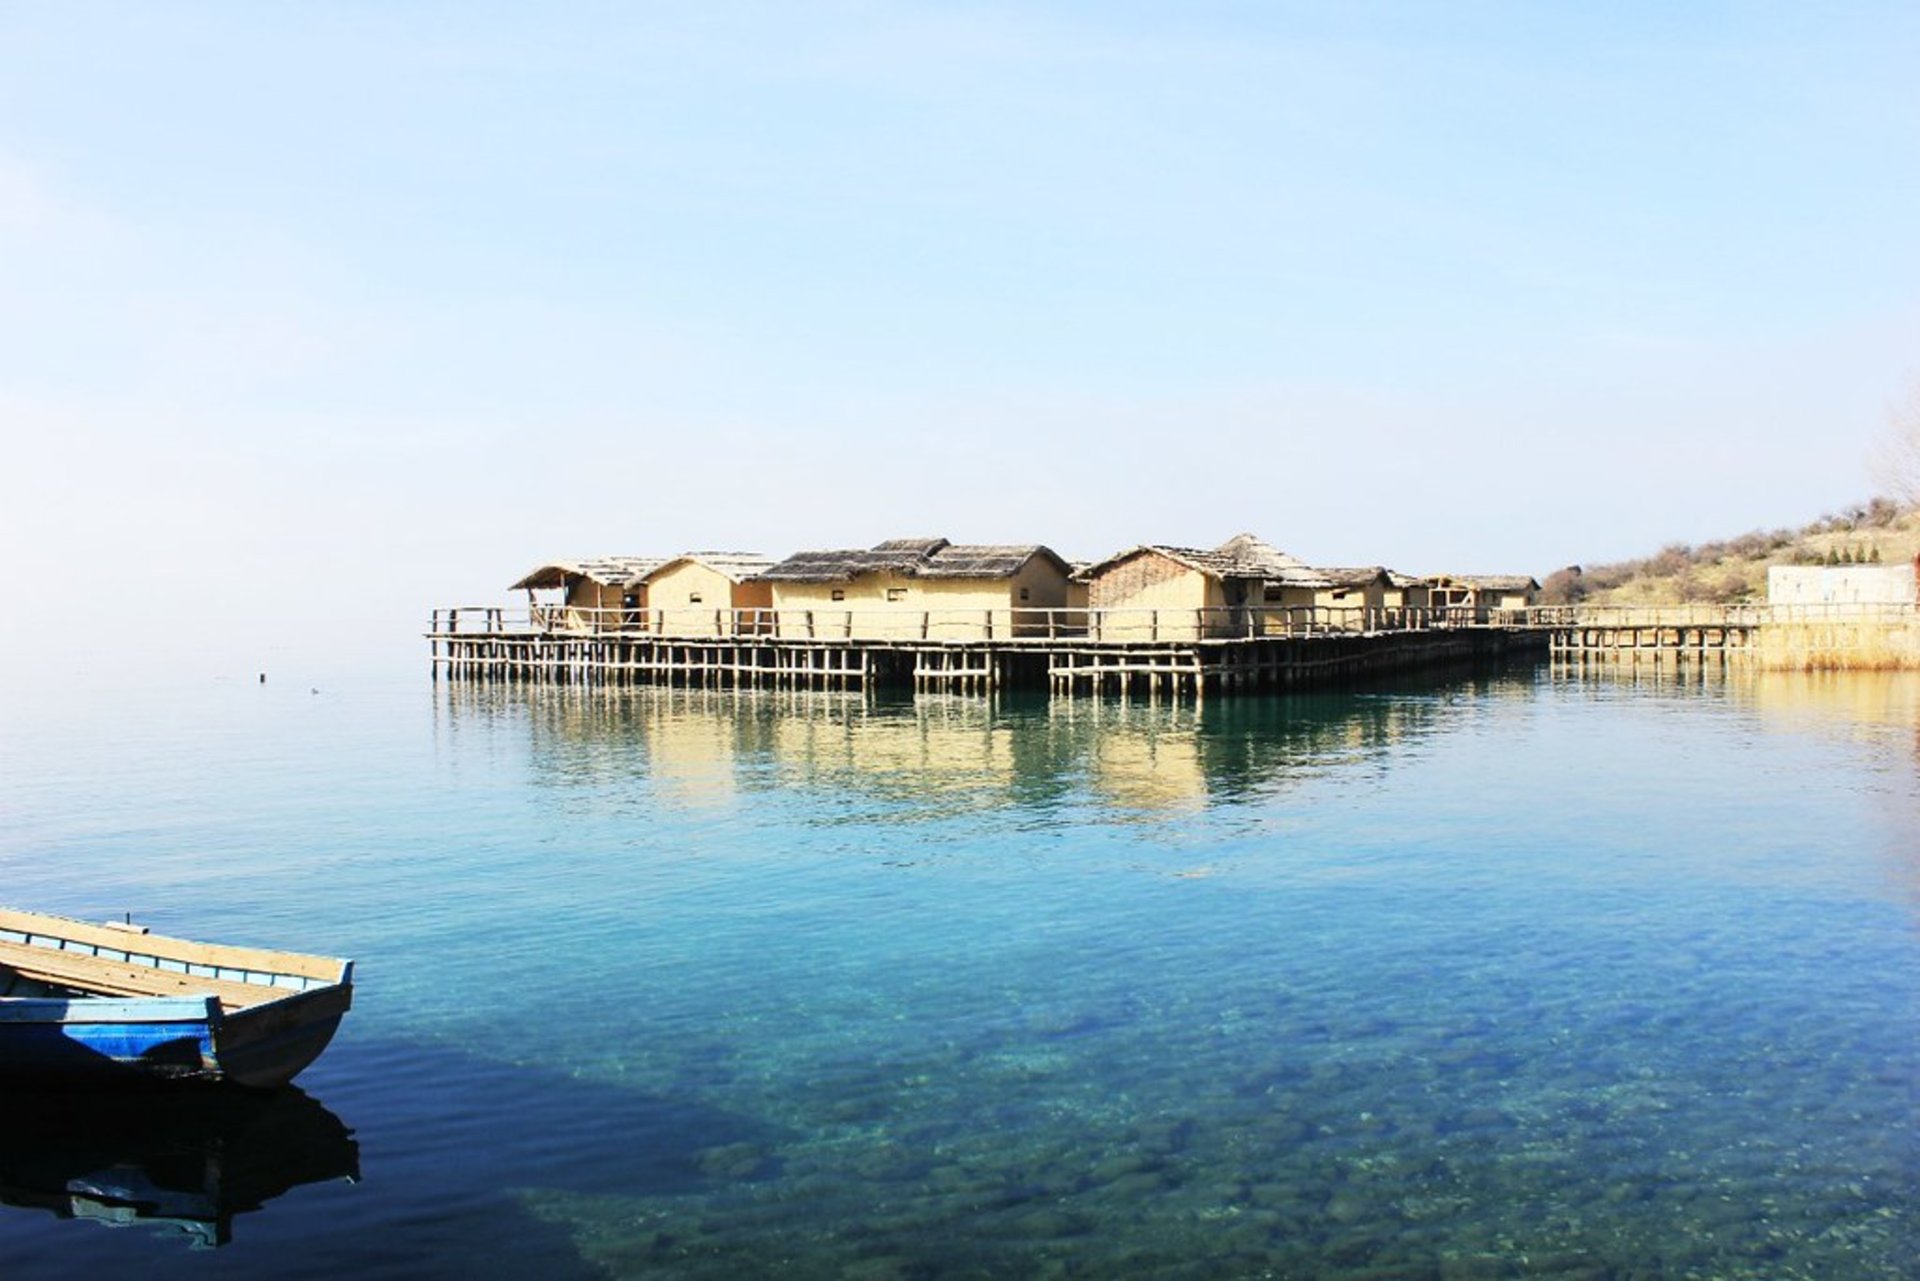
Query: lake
x=1533 y=973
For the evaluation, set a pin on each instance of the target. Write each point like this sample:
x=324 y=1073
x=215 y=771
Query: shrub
x=1563 y=587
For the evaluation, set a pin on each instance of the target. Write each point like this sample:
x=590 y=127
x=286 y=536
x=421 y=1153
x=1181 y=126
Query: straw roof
x=1486 y=582
x=1257 y=555
x=609 y=571
x=1356 y=575
x=1299 y=576
x=911 y=546
x=1242 y=556
x=986 y=560
x=736 y=567
x=910 y=558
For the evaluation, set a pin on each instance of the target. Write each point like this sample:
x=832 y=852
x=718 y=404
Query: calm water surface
x=1543 y=975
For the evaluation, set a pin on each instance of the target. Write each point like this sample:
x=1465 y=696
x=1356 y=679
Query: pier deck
x=1144 y=652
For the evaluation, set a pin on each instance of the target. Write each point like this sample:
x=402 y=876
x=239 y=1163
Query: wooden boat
x=80 y=1001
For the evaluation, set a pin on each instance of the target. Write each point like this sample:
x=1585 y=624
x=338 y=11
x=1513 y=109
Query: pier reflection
x=1882 y=704
x=183 y=1163
x=942 y=754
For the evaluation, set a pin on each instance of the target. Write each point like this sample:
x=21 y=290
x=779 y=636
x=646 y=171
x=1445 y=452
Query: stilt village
x=925 y=613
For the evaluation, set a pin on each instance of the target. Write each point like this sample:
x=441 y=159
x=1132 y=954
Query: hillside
x=1735 y=570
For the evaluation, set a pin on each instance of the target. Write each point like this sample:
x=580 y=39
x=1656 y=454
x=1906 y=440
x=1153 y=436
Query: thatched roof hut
x=922 y=558
x=1166 y=592
x=735 y=567
x=606 y=571
x=710 y=594
x=953 y=591
x=1482 y=592
x=1243 y=556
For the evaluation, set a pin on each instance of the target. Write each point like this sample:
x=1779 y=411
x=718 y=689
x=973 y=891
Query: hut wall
x=691 y=600
x=753 y=595
x=965 y=608
x=1279 y=604
x=591 y=605
x=953 y=609
x=1344 y=604
x=1149 y=582
x=862 y=613
x=1041 y=584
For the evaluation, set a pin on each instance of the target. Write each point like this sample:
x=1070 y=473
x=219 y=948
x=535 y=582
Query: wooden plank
x=326 y=969
x=117 y=978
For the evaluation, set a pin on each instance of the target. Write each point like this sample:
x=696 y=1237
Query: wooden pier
x=1654 y=642
x=1777 y=637
x=1272 y=653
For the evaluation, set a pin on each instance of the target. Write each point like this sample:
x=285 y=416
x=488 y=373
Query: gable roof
x=911 y=558
x=911 y=546
x=609 y=571
x=986 y=560
x=736 y=567
x=1357 y=575
x=1242 y=556
x=1485 y=582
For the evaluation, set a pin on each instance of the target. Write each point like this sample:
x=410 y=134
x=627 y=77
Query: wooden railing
x=910 y=625
x=1697 y=615
x=1110 y=625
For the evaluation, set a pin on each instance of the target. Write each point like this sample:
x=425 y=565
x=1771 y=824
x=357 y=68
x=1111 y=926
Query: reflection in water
x=938 y=756
x=1861 y=700
x=182 y=1161
x=1548 y=977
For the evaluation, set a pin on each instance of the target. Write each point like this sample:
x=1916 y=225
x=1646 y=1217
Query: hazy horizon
x=314 y=319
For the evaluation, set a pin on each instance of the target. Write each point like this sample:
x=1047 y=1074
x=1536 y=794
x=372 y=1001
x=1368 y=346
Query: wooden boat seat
x=118 y=978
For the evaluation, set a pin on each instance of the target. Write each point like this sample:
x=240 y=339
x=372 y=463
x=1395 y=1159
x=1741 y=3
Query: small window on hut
x=896 y=593
x=1024 y=593
x=839 y=594
x=693 y=598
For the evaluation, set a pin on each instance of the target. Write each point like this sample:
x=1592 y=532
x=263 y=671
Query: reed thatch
x=1356 y=575
x=1485 y=582
x=986 y=560
x=608 y=571
x=911 y=558
x=1242 y=556
x=737 y=567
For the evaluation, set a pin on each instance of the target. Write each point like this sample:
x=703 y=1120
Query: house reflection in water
x=934 y=755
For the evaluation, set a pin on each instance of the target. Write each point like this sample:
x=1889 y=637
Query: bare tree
x=1897 y=461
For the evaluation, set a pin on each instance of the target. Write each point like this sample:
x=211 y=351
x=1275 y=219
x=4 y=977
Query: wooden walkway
x=1197 y=666
x=1150 y=652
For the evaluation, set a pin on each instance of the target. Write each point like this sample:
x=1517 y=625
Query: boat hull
x=269 y=1045
x=83 y=1002
x=111 y=1041
x=98 y=1038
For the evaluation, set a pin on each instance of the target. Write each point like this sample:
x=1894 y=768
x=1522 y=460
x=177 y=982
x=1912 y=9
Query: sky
x=314 y=317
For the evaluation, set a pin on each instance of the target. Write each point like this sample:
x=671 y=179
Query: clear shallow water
x=1538 y=976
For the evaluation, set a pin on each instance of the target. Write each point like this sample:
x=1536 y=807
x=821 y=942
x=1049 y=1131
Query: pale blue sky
x=382 y=304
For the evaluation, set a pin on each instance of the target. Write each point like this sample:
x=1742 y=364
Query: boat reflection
x=183 y=1162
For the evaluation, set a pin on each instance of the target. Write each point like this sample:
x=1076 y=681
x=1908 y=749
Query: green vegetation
x=1735 y=570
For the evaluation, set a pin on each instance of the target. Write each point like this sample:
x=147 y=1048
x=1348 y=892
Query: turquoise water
x=1537 y=975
